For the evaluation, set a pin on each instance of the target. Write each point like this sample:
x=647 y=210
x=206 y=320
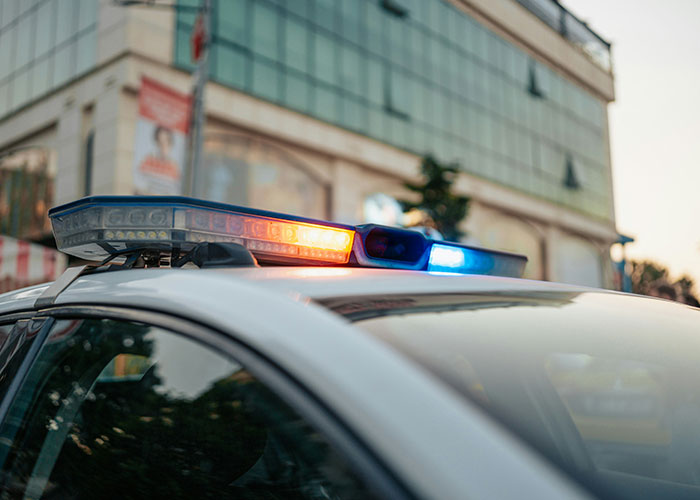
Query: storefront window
x=249 y=172
x=26 y=194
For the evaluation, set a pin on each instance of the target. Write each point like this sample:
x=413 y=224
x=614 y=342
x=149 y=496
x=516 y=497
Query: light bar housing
x=390 y=247
x=446 y=257
x=96 y=227
x=99 y=227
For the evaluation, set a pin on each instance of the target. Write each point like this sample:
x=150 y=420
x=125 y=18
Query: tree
x=645 y=274
x=647 y=277
x=686 y=284
x=446 y=208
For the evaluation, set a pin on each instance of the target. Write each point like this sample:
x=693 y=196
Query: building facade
x=315 y=105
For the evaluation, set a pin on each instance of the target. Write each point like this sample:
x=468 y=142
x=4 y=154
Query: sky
x=654 y=125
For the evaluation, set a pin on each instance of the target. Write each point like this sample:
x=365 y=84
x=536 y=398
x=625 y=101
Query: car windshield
x=606 y=386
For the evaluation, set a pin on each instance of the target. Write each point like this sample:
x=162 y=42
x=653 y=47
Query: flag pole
x=198 y=111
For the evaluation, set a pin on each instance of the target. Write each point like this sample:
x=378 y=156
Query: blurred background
x=329 y=108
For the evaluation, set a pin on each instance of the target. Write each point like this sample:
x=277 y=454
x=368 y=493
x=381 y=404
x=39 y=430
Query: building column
x=69 y=178
x=549 y=250
x=345 y=198
x=114 y=141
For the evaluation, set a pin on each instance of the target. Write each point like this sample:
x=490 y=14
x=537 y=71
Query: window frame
x=361 y=459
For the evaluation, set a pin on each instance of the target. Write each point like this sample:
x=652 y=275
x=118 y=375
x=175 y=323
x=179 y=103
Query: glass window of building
x=250 y=172
x=265 y=30
x=368 y=65
x=43 y=45
x=231 y=65
x=296 y=45
x=231 y=20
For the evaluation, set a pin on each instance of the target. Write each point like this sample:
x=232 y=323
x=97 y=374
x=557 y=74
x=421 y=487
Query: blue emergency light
x=99 y=227
x=452 y=258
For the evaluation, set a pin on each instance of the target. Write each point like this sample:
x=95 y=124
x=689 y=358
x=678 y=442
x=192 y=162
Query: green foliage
x=645 y=274
x=686 y=284
x=446 y=208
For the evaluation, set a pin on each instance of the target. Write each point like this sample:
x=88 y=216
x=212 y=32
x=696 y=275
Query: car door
x=117 y=403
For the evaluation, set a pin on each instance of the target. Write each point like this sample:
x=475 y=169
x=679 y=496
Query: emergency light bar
x=98 y=227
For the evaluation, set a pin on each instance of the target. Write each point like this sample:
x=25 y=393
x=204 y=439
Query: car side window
x=5 y=332
x=122 y=409
x=16 y=339
x=6 y=350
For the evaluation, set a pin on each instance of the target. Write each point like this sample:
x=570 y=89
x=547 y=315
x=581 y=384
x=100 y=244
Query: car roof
x=330 y=282
x=318 y=283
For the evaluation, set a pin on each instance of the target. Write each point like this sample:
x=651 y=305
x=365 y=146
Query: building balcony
x=577 y=32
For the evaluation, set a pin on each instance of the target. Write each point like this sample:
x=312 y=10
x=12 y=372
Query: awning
x=24 y=264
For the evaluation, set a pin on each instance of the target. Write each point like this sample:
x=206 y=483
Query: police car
x=211 y=351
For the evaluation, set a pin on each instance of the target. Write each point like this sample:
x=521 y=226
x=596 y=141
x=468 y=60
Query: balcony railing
x=555 y=15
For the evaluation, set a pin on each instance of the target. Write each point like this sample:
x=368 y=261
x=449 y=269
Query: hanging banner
x=160 y=149
x=25 y=264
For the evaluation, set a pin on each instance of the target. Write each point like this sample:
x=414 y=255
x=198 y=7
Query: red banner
x=161 y=139
x=24 y=264
x=164 y=106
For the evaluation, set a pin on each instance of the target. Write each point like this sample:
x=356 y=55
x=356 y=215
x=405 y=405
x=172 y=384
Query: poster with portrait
x=160 y=148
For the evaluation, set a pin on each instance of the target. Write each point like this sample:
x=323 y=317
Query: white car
x=178 y=367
